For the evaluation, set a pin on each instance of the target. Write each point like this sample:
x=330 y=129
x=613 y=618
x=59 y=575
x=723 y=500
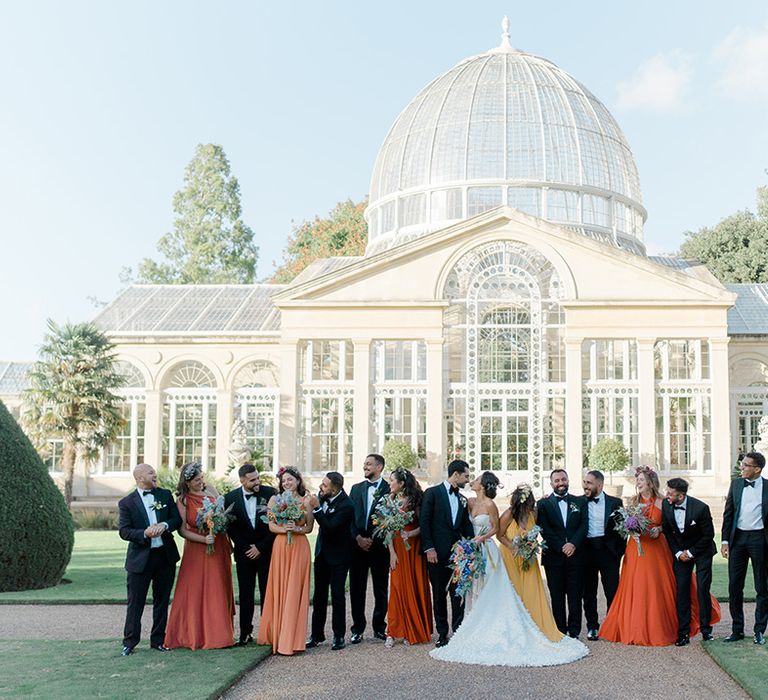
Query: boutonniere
x=158 y=505
x=331 y=510
x=463 y=501
x=573 y=507
x=693 y=522
x=377 y=494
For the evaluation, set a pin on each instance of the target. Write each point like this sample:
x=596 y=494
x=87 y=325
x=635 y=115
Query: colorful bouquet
x=389 y=519
x=468 y=564
x=213 y=518
x=286 y=508
x=526 y=546
x=631 y=521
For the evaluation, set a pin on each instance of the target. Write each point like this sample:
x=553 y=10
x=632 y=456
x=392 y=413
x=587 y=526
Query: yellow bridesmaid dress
x=529 y=586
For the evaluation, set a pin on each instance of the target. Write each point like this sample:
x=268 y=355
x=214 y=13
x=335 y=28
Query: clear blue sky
x=102 y=104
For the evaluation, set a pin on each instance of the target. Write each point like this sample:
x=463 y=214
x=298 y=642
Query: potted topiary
x=609 y=455
x=399 y=454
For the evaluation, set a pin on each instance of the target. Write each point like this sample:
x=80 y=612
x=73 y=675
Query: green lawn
x=59 y=669
x=95 y=574
x=743 y=661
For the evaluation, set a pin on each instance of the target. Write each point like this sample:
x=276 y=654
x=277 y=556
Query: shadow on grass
x=743 y=661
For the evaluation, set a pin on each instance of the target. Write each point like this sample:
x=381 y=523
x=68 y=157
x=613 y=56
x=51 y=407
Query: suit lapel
x=446 y=503
x=607 y=514
x=556 y=511
x=689 y=513
x=140 y=505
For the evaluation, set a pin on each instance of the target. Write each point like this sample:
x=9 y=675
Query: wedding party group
x=425 y=552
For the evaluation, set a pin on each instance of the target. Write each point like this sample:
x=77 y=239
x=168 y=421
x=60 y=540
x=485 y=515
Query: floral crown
x=191 y=470
x=644 y=469
x=525 y=491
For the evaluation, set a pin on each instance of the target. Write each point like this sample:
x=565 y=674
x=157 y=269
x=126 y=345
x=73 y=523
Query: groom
x=444 y=521
x=687 y=525
x=563 y=522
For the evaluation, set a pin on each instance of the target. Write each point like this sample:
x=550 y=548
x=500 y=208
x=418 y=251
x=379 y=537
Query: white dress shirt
x=680 y=520
x=563 y=505
x=250 y=505
x=596 y=526
x=751 y=511
x=148 y=502
x=453 y=499
x=371 y=491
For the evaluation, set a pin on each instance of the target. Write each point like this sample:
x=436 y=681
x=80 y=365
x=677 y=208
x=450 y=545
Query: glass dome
x=505 y=128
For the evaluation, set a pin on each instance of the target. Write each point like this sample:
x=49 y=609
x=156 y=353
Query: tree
x=70 y=395
x=736 y=249
x=343 y=232
x=209 y=244
x=397 y=453
x=37 y=529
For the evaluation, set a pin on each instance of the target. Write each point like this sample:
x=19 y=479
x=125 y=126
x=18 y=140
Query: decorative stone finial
x=505 y=46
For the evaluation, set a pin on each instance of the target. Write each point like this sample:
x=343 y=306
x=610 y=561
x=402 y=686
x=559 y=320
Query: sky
x=103 y=103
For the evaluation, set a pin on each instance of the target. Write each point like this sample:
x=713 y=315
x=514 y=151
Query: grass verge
x=743 y=661
x=94 y=669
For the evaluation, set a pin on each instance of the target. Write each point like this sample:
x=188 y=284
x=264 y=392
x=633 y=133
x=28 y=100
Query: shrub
x=92 y=519
x=37 y=528
x=608 y=455
x=399 y=454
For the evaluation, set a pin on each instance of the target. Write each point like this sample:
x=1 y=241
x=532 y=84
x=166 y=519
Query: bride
x=498 y=630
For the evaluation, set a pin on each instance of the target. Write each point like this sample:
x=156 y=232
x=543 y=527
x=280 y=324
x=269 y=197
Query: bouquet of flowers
x=468 y=564
x=390 y=519
x=285 y=508
x=631 y=521
x=213 y=518
x=526 y=546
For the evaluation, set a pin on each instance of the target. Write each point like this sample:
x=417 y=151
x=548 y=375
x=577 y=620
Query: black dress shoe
x=159 y=647
x=380 y=635
x=592 y=635
x=734 y=637
x=244 y=641
x=683 y=640
x=338 y=643
x=355 y=638
x=127 y=651
x=707 y=636
x=759 y=638
x=312 y=642
x=441 y=642
x=573 y=635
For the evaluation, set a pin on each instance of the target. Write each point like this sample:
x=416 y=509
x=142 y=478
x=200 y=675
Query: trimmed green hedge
x=37 y=529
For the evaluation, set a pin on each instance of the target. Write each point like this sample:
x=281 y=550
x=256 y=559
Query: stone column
x=436 y=437
x=573 y=417
x=361 y=412
x=720 y=413
x=646 y=403
x=153 y=428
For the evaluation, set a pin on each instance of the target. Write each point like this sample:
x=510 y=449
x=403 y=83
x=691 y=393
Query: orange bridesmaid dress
x=644 y=611
x=409 y=614
x=203 y=605
x=285 y=614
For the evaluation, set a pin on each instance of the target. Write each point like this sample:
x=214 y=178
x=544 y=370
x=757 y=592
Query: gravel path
x=369 y=671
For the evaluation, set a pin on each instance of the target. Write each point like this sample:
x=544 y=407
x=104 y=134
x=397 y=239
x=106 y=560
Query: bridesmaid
x=409 y=615
x=203 y=605
x=517 y=520
x=286 y=606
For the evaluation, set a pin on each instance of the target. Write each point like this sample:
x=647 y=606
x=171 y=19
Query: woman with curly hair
x=409 y=612
x=644 y=610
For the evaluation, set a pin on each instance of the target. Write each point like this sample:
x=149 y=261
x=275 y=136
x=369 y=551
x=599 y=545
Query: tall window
x=326 y=360
x=127 y=450
x=505 y=346
x=257 y=404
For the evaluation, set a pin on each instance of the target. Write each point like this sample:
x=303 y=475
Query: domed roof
x=505 y=127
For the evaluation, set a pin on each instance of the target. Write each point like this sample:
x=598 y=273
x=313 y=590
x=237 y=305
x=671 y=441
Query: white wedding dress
x=497 y=629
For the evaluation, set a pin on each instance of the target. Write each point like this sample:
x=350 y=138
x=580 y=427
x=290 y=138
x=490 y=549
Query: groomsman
x=147 y=519
x=444 y=521
x=687 y=525
x=603 y=548
x=252 y=543
x=334 y=514
x=744 y=538
x=563 y=522
x=369 y=554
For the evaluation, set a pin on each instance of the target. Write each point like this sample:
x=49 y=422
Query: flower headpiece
x=191 y=470
x=525 y=491
x=280 y=472
x=645 y=470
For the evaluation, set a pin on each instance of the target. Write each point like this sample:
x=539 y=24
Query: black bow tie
x=678 y=507
x=370 y=485
x=249 y=495
x=747 y=482
x=594 y=499
x=454 y=490
x=148 y=493
x=561 y=498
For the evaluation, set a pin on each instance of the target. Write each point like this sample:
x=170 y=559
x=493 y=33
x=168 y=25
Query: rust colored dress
x=285 y=613
x=409 y=614
x=644 y=611
x=203 y=604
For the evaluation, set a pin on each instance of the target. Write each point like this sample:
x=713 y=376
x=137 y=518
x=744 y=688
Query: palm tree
x=70 y=394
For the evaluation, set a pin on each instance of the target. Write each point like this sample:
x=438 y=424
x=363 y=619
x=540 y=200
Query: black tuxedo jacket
x=733 y=507
x=334 y=541
x=133 y=520
x=438 y=530
x=698 y=536
x=555 y=533
x=613 y=540
x=361 y=525
x=240 y=530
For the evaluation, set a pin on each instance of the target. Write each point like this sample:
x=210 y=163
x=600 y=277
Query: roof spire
x=505 y=46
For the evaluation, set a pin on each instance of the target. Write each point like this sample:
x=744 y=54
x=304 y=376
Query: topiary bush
x=608 y=455
x=38 y=534
x=399 y=454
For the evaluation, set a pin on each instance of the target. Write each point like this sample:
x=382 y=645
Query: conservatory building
x=505 y=312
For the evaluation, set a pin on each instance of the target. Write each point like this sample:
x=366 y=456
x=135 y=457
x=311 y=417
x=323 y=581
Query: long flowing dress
x=409 y=614
x=285 y=614
x=498 y=630
x=203 y=608
x=529 y=584
x=644 y=610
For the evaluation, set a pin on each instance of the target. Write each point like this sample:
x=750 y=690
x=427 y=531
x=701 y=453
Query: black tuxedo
x=439 y=531
x=602 y=558
x=243 y=534
x=147 y=565
x=333 y=554
x=375 y=561
x=565 y=575
x=698 y=538
x=744 y=545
